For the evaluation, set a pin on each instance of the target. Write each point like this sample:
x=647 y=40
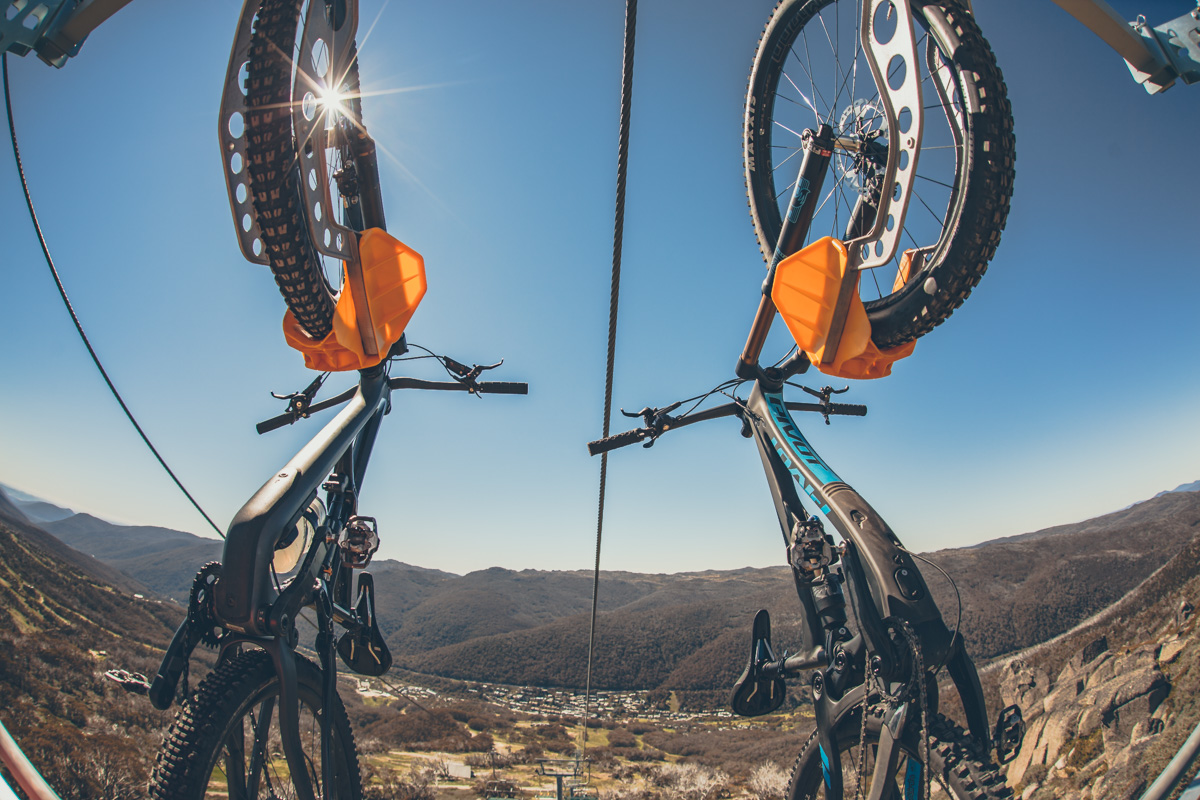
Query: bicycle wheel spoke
x=809 y=102
x=932 y=213
x=931 y=180
x=812 y=81
x=258 y=757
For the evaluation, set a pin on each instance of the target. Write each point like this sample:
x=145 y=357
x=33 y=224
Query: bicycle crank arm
x=966 y=680
x=888 y=754
x=363 y=648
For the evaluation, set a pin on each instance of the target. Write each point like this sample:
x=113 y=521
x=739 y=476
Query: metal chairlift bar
x=26 y=775
x=1150 y=64
x=1176 y=770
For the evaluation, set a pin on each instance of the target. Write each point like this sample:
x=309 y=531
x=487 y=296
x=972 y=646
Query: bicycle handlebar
x=483 y=387
x=728 y=409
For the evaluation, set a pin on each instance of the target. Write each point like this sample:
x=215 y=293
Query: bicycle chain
x=918 y=675
x=919 y=671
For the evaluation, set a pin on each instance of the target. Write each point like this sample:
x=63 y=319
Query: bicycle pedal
x=363 y=650
x=1008 y=734
x=132 y=682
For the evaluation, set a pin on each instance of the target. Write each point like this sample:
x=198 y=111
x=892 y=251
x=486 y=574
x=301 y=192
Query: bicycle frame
x=246 y=602
x=245 y=599
x=883 y=580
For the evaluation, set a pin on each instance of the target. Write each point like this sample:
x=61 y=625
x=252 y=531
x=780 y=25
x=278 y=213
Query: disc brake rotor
x=861 y=122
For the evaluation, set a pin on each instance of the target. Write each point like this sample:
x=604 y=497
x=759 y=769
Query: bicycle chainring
x=205 y=628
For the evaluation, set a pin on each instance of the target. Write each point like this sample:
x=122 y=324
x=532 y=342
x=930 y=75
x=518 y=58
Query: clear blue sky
x=1066 y=387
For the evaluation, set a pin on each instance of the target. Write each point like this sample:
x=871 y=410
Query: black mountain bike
x=873 y=673
x=267 y=722
x=889 y=91
x=303 y=183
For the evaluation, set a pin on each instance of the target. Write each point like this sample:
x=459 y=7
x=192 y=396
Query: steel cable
x=71 y=310
x=614 y=294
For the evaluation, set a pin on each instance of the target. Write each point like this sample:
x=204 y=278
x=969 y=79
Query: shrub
x=768 y=782
x=620 y=737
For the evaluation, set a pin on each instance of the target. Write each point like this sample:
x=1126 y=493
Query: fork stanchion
x=818 y=149
x=748 y=362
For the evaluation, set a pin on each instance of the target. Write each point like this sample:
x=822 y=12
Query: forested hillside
x=689 y=631
x=65 y=628
x=693 y=631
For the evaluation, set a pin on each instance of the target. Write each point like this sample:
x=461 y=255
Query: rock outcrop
x=1088 y=730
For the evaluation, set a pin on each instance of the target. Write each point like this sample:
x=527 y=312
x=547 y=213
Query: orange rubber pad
x=394 y=277
x=806 y=292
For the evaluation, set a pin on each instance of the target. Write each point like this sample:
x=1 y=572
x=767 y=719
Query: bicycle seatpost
x=818 y=149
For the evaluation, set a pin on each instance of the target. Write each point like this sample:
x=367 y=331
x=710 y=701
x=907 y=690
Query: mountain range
x=686 y=631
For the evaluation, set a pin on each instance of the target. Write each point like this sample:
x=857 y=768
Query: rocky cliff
x=1108 y=704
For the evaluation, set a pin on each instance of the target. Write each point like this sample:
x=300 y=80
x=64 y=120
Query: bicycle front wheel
x=954 y=770
x=810 y=69
x=301 y=181
x=225 y=741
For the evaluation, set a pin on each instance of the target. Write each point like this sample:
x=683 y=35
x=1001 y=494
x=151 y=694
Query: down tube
x=895 y=583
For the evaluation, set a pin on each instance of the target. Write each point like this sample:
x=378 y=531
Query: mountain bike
x=873 y=650
x=304 y=190
x=287 y=550
x=872 y=673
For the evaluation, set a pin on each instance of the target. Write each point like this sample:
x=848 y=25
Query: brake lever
x=468 y=375
x=299 y=402
x=823 y=396
x=657 y=421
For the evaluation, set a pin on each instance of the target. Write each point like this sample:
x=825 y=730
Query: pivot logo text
x=799 y=448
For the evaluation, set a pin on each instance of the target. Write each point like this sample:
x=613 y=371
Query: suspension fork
x=289 y=714
x=325 y=651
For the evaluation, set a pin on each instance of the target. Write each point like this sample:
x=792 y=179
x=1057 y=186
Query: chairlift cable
x=618 y=234
x=71 y=310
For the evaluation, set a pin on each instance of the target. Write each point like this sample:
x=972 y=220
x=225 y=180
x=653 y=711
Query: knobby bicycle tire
x=198 y=758
x=274 y=166
x=955 y=767
x=978 y=186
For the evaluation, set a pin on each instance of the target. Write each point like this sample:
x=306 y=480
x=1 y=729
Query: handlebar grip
x=503 y=387
x=620 y=440
x=848 y=409
x=273 y=423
